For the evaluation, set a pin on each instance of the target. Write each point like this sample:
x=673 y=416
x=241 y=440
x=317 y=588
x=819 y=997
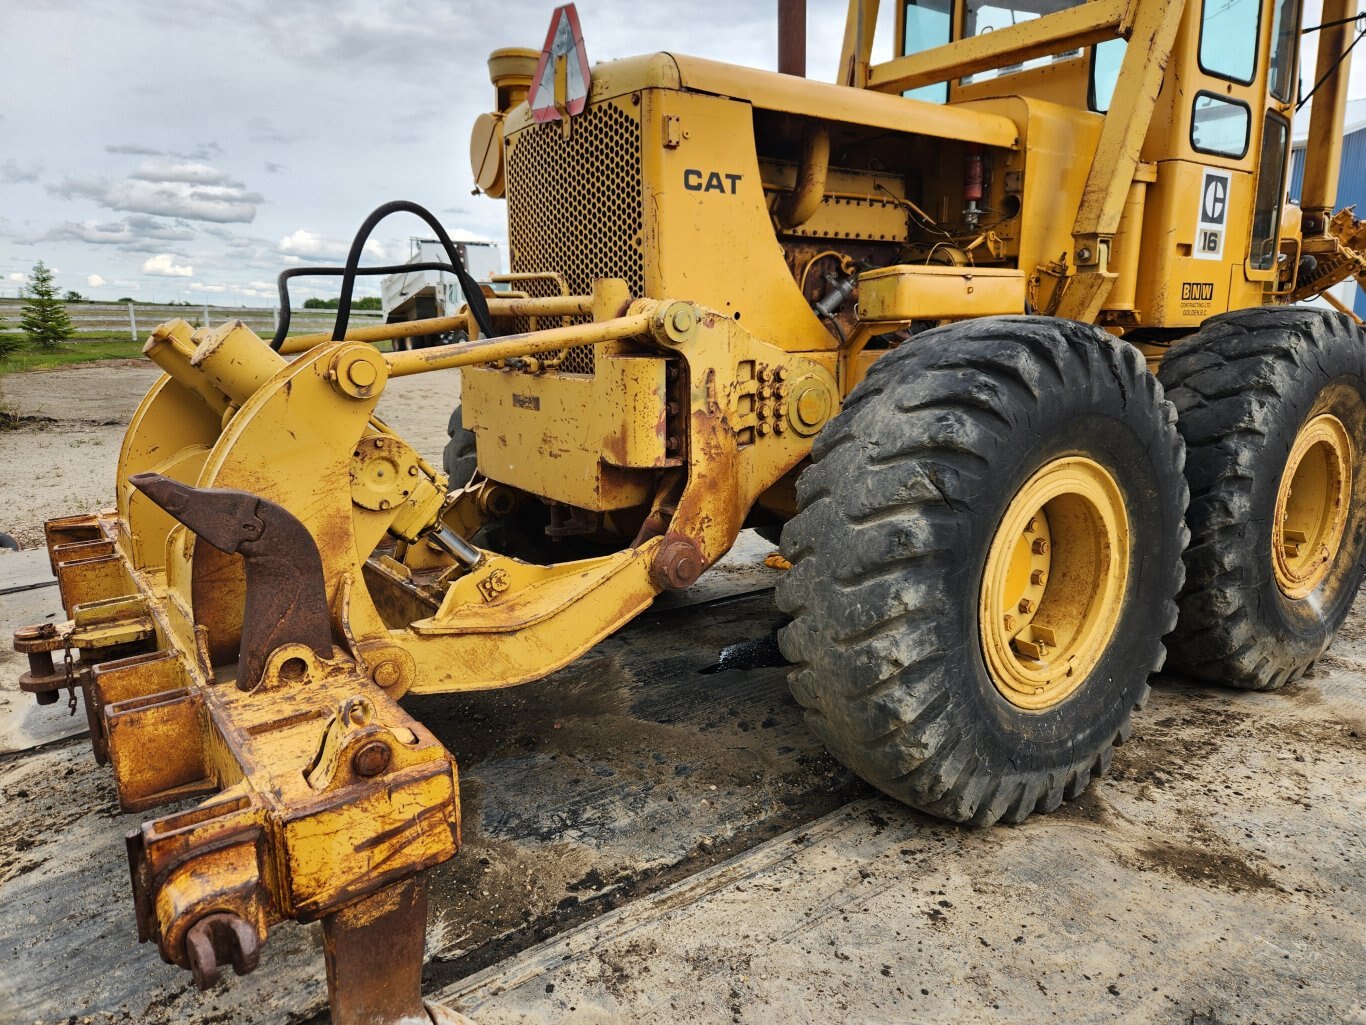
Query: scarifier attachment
x=286 y=597
x=325 y=800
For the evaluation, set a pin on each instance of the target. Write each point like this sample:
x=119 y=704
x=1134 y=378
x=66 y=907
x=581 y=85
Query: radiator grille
x=574 y=205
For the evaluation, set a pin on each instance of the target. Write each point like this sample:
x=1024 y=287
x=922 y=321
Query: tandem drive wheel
x=984 y=563
x=1272 y=405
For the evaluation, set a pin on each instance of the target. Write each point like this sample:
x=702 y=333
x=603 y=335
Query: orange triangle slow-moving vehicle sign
x=559 y=88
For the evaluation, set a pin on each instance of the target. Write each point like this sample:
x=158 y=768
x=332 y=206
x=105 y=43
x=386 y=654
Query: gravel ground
x=654 y=837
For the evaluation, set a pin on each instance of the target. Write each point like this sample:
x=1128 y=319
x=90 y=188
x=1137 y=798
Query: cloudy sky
x=193 y=149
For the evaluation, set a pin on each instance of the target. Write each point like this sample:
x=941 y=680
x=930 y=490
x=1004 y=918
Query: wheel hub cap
x=1054 y=582
x=1311 y=506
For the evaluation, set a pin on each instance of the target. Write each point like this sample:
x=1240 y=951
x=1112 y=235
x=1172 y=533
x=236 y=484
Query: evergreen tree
x=44 y=319
x=8 y=343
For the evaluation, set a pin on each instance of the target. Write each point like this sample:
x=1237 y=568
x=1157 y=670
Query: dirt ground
x=653 y=835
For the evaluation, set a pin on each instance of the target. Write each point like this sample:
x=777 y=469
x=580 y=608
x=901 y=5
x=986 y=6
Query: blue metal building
x=1351 y=187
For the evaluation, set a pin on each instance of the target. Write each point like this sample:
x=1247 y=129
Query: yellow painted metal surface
x=901 y=293
x=1054 y=582
x=1312 y=504
x=574 y=438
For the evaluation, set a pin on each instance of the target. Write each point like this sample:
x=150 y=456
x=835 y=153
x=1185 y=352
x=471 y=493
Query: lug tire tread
x=1230 y=382
x=870 y=554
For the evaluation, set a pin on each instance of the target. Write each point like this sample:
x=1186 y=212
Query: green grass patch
x=86 y=350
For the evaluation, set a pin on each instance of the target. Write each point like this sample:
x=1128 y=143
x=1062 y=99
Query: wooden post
x=132 y=322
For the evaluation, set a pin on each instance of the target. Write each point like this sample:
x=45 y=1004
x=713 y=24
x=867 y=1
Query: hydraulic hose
x=473 y=295
x=282 y=329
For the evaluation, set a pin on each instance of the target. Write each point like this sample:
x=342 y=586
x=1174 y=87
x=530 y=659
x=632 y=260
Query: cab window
x=1285 y=26
x=1228 y=38
x=1106 y=60
x=929 y=23
x=1219 y=126
x=1266 y=206
x=983 y=16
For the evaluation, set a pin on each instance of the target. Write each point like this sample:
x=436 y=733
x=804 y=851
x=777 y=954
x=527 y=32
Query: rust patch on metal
x=364 y=987
x=286 y=596
x=217 y=939
x=677 y=564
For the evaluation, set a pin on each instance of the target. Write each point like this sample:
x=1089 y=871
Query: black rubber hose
x=286 y=314
x=473 y=295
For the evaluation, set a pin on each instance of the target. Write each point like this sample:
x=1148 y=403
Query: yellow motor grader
x=996 y=333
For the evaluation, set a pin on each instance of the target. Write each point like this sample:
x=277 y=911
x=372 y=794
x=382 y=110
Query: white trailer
x=420 y=294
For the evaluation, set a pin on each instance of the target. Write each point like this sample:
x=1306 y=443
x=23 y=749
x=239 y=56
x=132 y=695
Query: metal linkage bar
x=550 y=306
x=489 y=350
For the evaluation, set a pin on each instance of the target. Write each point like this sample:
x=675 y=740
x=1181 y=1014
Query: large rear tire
x=1272 y=406
x=984 y=562
x=459 y=459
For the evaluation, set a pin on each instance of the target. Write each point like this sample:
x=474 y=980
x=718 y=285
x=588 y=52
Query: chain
x=70 y=680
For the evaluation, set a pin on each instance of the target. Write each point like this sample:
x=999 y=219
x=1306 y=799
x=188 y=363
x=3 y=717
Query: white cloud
x=133 y=232
x=134 y=149
x=189 y=173
x=163 y=265
x=222 y=204
x=201 y=287
x=16 y=276
x=305 y=243
x=12 y=173
x=190 y=190
x=95 y=281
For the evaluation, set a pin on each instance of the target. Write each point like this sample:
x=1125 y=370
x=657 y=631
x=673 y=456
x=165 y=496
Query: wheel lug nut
x=1032 y=525
x=1037 y=578
x=1010 y=622
x=1039 y=547
x=1026 y=606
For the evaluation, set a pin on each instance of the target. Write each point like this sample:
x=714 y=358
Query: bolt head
x=361 y=373
x=1037 y=578
x=1026 y=606
x=386 y=674
x=1039 y=547
x=372 y=759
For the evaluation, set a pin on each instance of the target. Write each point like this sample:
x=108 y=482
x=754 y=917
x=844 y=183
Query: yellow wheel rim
x=1311 y=506
x=1054 y=582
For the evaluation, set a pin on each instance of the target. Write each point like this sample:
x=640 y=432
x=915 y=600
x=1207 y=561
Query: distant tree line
x=370 y=302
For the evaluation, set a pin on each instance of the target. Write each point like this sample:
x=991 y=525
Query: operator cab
x=1223 y=136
